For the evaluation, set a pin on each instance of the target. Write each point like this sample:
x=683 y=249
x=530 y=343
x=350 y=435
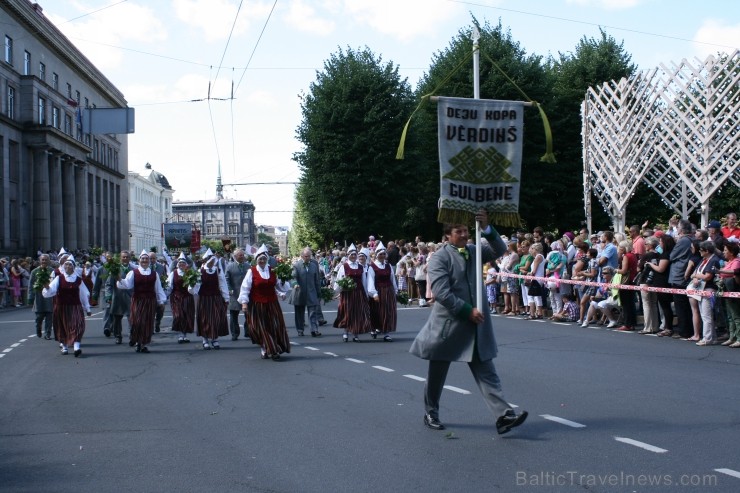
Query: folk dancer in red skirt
x=72 y=301
x=213 y=301
x=353 y=313
x=147 y=293
x=382 y=291
x=181 y=301
x=259 y=299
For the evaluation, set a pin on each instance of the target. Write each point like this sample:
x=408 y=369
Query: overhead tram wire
x=256 y=45
x=228 y=40
x=565 y=19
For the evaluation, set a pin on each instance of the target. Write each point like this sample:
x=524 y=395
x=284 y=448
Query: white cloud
x=216 y=17
x=716 y=35
x=404 y=20
x=607 y=4
x=264 y=99
x=116 y=26
x=303 y=17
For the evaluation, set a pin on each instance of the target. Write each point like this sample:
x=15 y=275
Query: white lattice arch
x=674 y=128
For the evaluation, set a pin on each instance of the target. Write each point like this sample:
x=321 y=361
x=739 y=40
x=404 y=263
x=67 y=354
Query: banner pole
x=478 y=256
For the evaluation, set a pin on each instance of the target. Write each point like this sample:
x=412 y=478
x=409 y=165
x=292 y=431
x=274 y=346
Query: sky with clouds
x=167 y=56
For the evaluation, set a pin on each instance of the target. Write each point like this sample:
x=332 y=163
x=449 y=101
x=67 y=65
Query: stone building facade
x=59 y=187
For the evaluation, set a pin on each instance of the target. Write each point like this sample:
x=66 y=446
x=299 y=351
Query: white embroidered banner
x=480 y=159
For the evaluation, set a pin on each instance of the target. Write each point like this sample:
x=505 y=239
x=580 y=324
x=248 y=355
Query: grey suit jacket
x=448 y=335
x=234 y=277
x=309 y=282
x=40 y=304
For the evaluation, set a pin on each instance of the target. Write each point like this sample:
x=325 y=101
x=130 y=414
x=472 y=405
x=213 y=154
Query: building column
x=41 y=206
x=55 y=202
x=83 y=234
x=69 y=203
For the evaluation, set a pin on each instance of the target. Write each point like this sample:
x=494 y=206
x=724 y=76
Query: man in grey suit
x=307 y=276
x=41 y=306
x=235 y=273
x=161 y=271
x=458 y=331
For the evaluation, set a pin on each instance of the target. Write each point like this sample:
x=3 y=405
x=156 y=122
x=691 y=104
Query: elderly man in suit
x=307 y=276
x=161 y=272
x=458 y=331
x=43 y=307
x=235 y=273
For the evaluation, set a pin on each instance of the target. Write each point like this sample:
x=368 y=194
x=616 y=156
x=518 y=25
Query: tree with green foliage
x=302 y=232
x=593 y=62
x=351 y=185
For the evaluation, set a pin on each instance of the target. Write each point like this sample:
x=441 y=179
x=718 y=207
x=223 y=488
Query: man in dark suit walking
x=235 y=273
x=307 y=276
x=458 y=331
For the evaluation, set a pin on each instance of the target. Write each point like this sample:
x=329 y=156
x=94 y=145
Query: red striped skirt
x=69 y=323
x=143 y=310
x=267 y=327
x=183 y=312
x=383 y=314
x=212 y=321
x=353 y=313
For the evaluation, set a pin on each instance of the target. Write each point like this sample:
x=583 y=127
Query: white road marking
x=354 y=360
x=23 y=340
x=7 y=350
x=561 y=323
x=513 y=406
x=414 y=377
x=729 y=472
x=642 y=445
x=383 y=368
x=457 y=389
x=332 y=354
x=563 y=421
x=311 y=348
x=16 y=344
x=295 y=343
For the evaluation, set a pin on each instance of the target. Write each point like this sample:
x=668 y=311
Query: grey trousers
x=485 y=376
x=234 y=323
x=45 y=318
x=300 y=320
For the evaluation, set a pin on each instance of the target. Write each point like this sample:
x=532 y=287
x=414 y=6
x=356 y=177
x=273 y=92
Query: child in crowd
x=571 y=312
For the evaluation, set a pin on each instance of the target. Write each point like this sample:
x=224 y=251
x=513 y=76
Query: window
x=42 y=111
x=87 y=103
x=55 y=117
x=96 y=150
x=42 y=71
x=69 y=90
x=67 y=124
x=10 y=102
x=55 y=81
x=8 y=50
x=26 y=63
x=77 y=97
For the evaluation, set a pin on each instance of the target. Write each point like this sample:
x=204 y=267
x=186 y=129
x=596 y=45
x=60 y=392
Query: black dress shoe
x=78 y=352
x=38 y=333
x=131 y=343
x=106 y=332
x=47 y=337
x=322 y=322
x=510 y=420
x=156 y=329
x=234 y=338
x=144 y=349
x=433 y=422
x=119 y=340
x=315 y=334
x=300 y=333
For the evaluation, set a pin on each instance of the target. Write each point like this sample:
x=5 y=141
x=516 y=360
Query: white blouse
x=280 y=288
x=51 y=291
x=128 y=283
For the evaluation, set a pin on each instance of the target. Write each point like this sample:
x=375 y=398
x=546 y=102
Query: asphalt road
x=609 y=412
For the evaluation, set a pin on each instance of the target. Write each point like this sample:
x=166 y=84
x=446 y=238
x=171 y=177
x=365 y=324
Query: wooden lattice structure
x=674 y=128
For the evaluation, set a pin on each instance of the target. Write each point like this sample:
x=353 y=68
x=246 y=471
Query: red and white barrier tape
x=641 y=287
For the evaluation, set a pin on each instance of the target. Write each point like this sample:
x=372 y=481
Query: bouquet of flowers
x=191 y=278
x=43 y=277
x=113 y=266
x=284 y=270
x=164 y=282
x=327 y=294
x=346 y=283
x=403 y=297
